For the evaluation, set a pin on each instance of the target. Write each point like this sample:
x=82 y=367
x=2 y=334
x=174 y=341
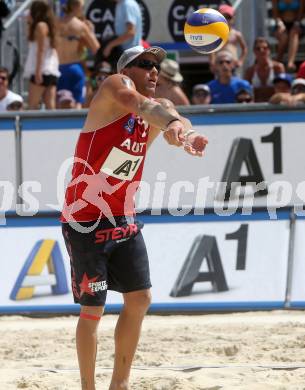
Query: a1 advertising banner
x=253 y=159
x=245 y=164
x=220 y=264
x=196 y=264
x=297 y=295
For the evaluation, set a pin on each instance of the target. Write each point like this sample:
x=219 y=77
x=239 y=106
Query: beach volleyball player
x=101 y=232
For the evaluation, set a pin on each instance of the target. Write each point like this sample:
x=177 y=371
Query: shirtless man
x=294 y=97
x=74 y=35
x=101 y=231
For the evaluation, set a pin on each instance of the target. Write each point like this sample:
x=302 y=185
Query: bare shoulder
x=85 y=27
x=278 y=67
x=113 y=84
x=299 y=98
x=280 y=98
x=118 y=81
x=42 y=28
x=72 y=26
x=106 y=97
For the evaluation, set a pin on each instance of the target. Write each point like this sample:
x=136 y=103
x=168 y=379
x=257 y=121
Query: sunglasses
x=14 y=106
x=224 y=62
x=145 y=64
x=260 y=48
x=299 y=88
x=201 y=93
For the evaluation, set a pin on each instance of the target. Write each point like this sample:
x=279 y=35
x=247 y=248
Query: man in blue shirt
x=225 y=86
x=127 y=25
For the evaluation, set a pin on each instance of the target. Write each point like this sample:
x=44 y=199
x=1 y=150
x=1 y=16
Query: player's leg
x=86 y=344
x=50 y=97
x=35 y=96
x=89 y=287
x=294 y=37
x=127 y=333
x=128 y=272
x=282 y=38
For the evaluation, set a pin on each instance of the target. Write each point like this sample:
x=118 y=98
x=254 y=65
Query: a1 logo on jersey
x=121 y=165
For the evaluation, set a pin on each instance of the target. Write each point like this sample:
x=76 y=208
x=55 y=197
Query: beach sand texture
x=240 y=351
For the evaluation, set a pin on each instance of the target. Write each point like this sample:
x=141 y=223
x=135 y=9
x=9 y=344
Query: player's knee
x=90 y=314
x=138 y=301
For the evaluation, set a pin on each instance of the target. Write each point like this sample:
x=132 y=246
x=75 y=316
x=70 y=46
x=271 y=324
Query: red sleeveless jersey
x=107 y=170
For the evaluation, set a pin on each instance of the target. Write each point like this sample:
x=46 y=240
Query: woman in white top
x=262 y=73
x=42 y=65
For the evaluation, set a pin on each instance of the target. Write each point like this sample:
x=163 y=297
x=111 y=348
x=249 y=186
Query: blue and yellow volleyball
x=206 y=30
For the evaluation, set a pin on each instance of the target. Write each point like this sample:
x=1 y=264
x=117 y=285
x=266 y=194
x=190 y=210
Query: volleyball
x=206 y=30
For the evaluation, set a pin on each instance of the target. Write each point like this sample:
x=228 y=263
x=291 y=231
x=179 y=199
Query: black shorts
x=289 y=26
x=107 y=258
x=48 y=80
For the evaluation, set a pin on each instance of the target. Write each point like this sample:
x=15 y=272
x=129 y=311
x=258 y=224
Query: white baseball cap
x=201 y=87
x=298 y=81
x=131 y=54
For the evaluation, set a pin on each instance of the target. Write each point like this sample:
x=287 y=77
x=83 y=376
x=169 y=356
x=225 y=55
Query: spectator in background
x=298 y=86
x=245 y=95
x=288 y=15
x=103 y=70
x=65 y=99
x=74 y=34
x=225 y=86
x=168 y=84
x=282 y=83
x=236 y=43
x=16 y=105
x=42 y=65
x=201 y=94
x=263 y=71
x=128 y=29
x=292 y=97
x=7 y=97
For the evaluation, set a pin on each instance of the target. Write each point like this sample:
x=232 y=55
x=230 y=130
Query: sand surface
x=248 y=351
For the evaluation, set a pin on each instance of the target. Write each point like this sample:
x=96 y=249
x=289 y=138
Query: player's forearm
x=156 y=114
x=169 y=106
x=122 y=39
x=93 y=44
x=186 y=122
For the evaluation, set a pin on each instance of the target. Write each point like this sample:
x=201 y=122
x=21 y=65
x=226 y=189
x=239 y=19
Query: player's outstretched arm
x=119 y=90
x=194 y=143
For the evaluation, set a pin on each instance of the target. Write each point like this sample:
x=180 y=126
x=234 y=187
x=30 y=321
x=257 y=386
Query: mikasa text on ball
x=206 y=30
